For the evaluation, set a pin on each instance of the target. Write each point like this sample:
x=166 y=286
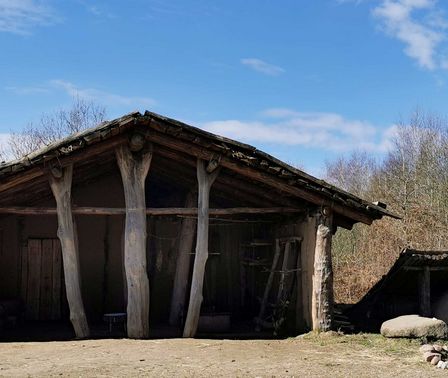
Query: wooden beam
x=322 y=296
x=80 y=155
x=161 y=211
x=237 y=187
x=61 y=188
x=425 y=291
x=205 y=181
x=134 y=169
x=185 y=247
x=258 y=175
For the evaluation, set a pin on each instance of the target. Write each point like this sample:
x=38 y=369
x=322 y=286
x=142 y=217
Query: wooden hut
x=169 y=223
x=416 y=284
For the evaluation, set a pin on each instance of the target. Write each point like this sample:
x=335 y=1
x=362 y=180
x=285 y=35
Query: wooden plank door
x=42 y=279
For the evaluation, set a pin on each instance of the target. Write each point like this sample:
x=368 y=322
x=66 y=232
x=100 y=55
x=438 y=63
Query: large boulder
x=415 y=326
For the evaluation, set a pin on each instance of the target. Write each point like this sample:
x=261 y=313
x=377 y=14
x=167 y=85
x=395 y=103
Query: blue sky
x=303 y=80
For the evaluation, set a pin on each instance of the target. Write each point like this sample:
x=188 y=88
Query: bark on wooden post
x=425 y=291
x=205 y=181
x=186 y=240
x=134 y=168
x=322 y=299
x=61 y=183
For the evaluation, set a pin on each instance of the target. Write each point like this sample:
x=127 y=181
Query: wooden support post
x=186 y=241
x=134 y=168
x=61 y=183
x=425 y=291
x=205 y=181
x=322 y=299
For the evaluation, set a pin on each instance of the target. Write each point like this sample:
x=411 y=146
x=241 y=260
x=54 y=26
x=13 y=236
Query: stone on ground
x=415 y=326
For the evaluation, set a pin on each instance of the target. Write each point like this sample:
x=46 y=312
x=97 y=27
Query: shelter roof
x=202 y=144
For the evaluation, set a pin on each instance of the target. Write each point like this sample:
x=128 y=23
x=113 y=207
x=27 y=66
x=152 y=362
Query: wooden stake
x=425 y=291
x=61 y=188
x=186 y=241
x=322 y=299
x=205 y=181
x=134 y=169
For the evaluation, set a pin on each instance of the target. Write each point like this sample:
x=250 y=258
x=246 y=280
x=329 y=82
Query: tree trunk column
x=61 y=183
x=425 y=291
x=205 y=181
x=185 y=248
x=134 y=169
x=322 y=299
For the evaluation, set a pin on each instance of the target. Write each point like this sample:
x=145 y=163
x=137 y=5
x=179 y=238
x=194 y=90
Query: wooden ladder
x=289 y=266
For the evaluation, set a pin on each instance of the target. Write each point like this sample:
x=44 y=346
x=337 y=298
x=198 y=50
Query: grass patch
x=373 y=342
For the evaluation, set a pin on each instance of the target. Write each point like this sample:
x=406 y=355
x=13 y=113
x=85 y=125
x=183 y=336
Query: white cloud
x=328 y=131
x=27 y=90
x=103 y=97
x=21 y=16
x=416 y=23
x=261 y=66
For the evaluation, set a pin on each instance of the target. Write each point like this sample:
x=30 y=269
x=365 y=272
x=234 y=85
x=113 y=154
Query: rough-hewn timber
x=322 y=296
x=205 y=181
x=425 y=291
x=134 y=169
x=185 y=247
x=61 y=188
x=162 y=211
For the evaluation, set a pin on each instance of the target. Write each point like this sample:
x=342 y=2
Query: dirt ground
x=308 y=356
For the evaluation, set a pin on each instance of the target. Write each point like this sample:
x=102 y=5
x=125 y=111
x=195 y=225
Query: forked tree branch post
x=186 y=242
x=206 y=177
x=322 y=296
x=61 y=183
x=134 y=166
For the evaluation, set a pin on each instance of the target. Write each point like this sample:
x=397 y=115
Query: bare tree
x=413 y=180
x=51 y=127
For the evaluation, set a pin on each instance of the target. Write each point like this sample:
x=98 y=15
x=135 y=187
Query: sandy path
x=205 y=358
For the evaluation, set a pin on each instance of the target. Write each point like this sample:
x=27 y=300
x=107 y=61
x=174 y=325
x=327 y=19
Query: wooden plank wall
x=41 y=282
x=307 y=230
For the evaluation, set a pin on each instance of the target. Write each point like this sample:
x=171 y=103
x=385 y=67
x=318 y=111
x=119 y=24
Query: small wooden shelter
x=213 y=226
x=416 y=284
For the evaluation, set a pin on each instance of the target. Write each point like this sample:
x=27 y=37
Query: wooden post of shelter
x=206 y=176
x=134 y=163
x=61 y=183
x=322 y=296
x=186 y=242
x=425 y=291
